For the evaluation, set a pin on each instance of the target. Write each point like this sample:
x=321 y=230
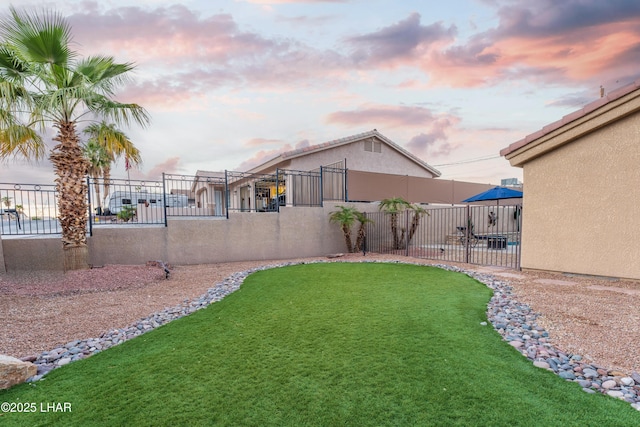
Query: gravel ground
x=593 y=317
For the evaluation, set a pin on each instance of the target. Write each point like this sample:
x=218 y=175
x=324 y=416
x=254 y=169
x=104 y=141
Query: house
x=582 y=202
x=362 y=167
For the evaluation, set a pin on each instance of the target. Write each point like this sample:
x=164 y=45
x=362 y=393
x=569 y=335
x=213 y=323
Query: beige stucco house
x=582 y=175
x=363 y=167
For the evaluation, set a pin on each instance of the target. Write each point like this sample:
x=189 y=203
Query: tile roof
x=592 y=106
x=349 y=139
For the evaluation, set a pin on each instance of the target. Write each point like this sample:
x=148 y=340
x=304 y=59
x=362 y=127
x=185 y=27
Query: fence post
x=321 y=186
x=277 y=190
x=345 y=174
x=406 y=231
x=226 y=193
x=467 y=245
x=89 y=206
x=164 y=199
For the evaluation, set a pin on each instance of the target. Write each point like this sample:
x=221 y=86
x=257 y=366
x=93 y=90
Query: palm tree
x=394 y=206
x=6 y=200
x=98 y=161
x=43 y=82
x=362 y=230
x=115 y=144
x=418 y=212
x=345 y=218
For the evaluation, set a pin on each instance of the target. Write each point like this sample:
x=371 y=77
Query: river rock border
x=516 y=322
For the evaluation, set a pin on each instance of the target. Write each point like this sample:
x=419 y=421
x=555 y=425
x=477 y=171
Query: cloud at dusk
x=232 y=83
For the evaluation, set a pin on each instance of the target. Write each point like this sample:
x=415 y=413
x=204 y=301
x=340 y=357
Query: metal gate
x=483 y=235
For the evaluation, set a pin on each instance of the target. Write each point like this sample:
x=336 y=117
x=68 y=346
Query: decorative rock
x=609 y=384
x=626 y=381
x=567 y=375
x=589 y=373
x=516 y=344
x=615 y=393
x=540 y=364
x=14 y=371
x=636 y=377
x=63 y=361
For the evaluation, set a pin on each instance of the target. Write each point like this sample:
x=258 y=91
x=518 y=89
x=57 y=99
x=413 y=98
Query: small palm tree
x=114 y=144
x=98 y=161
x=418 y=213
x=6 y=200
x=362 y=230
x=394 y=206
x=345 y=218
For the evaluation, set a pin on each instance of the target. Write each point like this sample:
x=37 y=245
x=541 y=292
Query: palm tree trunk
x=71 y=168
x=414 y=227
x=106 y=176
x=347 y=238
x=96 y=186
x=394 y=230
x=360 y=238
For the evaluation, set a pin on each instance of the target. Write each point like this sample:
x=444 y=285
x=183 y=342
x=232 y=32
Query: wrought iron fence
x=28 y=209
x=32 y=209
x=484 y=235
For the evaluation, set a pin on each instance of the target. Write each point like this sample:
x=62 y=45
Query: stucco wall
x=294 y=232
x=582 y=202
x=32 y=253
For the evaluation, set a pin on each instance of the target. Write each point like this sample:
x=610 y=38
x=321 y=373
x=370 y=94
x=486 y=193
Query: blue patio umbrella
x=496 y=193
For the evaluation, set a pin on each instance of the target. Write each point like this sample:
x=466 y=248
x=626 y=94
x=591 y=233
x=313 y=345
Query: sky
x=230 y=84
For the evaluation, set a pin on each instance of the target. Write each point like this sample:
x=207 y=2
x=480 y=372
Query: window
x=373 y=146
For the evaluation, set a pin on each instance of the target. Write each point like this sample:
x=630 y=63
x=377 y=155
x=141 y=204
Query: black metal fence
x=484 y=235
x=32 y=208
x=28 y=209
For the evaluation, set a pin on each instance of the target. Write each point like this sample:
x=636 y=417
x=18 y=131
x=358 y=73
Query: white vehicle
x=119 y=199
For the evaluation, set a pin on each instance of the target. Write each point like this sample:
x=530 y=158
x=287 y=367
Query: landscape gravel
x=514 y=320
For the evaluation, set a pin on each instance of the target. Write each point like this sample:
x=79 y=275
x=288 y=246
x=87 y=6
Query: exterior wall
x=388 y=161
x=370 y=186
x=36 y=253
x=293 y=233
x=582 y=202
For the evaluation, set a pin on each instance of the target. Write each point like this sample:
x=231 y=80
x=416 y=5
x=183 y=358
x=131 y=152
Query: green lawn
x=339 y=344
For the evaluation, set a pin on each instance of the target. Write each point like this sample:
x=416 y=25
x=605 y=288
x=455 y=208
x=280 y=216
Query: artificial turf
x=335 y=344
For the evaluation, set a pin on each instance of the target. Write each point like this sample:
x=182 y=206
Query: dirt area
x=594 y=317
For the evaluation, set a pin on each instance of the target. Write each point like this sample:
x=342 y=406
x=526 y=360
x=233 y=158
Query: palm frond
x=38 y=37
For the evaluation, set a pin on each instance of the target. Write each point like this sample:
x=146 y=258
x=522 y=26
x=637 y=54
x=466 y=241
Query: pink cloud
x=264 y=156
x=169 y=166
x=388 y=115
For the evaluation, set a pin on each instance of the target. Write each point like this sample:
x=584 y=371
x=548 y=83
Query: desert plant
x=418 y=213
x=362 y=230
x=394 y=206
x=345 y=217
x=6 y=201
x=127 y=213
